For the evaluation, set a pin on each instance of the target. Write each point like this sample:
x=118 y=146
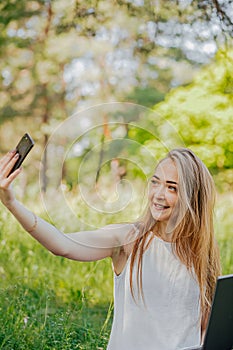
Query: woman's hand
x=6 y=164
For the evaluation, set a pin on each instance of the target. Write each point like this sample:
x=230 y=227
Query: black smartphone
x=23 y=148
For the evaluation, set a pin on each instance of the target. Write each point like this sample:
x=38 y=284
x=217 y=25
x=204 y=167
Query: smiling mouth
x=160 y=206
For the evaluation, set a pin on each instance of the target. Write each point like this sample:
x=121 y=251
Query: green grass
x=48 y=302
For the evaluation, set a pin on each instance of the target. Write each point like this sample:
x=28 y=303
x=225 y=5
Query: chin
x=159 y=218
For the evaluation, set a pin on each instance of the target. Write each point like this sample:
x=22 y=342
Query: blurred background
x=105 y=88
x=58 y=58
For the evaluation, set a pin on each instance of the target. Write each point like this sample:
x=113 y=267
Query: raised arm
x=82 y=246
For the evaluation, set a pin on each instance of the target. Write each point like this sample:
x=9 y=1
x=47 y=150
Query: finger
x=12 y=176
x=5 y=170
x=7 y=181
x=5 y=159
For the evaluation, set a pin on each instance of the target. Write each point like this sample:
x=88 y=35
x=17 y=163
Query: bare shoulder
x=124 y=233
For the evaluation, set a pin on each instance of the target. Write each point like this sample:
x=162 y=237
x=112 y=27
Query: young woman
x=165 y=265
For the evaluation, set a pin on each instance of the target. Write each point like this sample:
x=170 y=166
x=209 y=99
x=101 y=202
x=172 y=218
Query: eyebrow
x=168 y=181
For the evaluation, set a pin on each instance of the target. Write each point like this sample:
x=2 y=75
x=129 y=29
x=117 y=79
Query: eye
x=154 y=182
x=172 y=188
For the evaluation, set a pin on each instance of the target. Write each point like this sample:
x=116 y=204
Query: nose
x=159 y=192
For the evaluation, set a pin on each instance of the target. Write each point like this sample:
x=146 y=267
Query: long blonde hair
x=193 y=231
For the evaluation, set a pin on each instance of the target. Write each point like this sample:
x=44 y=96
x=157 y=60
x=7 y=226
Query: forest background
x=105 y=88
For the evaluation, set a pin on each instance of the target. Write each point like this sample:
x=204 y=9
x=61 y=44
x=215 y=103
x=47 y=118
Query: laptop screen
x=219 y=334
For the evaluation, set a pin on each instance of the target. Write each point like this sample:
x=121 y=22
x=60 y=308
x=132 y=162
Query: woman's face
x=163 y=193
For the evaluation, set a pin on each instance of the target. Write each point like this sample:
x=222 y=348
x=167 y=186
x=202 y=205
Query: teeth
x=159 y=206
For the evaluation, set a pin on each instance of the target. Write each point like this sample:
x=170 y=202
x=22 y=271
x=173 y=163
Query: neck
x=160 y=230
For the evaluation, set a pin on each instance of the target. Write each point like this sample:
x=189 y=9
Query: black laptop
x=219 y=333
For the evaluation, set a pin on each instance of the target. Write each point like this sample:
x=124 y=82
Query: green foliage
x=223 y=229
x=146 y=96
x=57 y=57
x=41 y=41
x=202 y=114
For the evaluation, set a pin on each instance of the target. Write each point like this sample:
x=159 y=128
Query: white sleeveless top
x=169 y=318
